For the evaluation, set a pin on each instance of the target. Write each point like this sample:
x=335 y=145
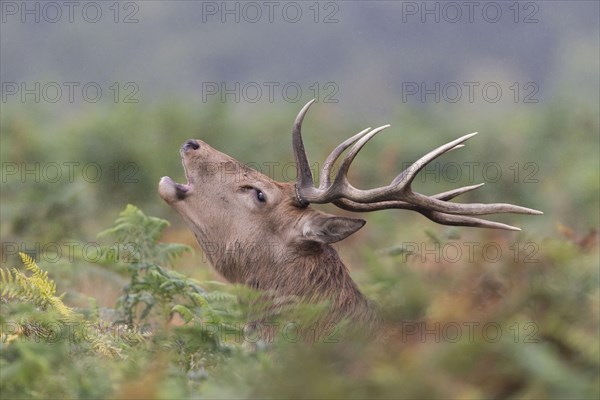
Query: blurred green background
x=69 y=167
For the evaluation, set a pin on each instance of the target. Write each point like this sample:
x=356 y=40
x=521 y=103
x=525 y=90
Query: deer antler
x=398 y=194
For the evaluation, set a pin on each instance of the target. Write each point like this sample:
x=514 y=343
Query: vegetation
x=469 y=313
x=137 y=312
x=474 y=330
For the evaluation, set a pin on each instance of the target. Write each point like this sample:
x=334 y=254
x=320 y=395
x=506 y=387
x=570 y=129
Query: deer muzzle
x=172 y=191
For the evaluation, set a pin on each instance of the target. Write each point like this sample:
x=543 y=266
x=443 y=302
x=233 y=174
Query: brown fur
x=275 y=246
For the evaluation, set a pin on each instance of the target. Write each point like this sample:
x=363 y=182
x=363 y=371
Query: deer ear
x=326 y=228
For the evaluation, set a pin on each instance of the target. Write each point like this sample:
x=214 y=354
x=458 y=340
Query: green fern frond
x=140 y=235
x=182 y=310
x=39 y=278
x=217 y=296
x=7 y=280
x=37 y=288
x=105 y=348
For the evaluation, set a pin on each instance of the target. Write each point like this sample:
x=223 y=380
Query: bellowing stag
x=231 y=208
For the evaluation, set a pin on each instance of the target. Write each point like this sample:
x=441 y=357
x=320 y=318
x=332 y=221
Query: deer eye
x=260 y=196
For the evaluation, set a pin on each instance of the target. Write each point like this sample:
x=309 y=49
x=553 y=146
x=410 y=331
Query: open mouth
x=172 y=191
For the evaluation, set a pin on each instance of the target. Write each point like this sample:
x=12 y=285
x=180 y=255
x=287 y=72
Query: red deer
x=231 y=208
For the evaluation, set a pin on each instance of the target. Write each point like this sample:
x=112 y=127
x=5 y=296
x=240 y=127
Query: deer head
x=263 y=233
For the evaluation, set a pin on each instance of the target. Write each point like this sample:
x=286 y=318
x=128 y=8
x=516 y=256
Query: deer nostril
x=191 y=144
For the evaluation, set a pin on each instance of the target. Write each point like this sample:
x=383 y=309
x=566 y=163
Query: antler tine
x=334 y=155
x=466 y=209
x=343 y=172
x=327 y=191
x=305 y=178
x=383 y=205
x=462 y=220
x=409 y=174
x=450 y=194
x=402 y=175
x=435 y=216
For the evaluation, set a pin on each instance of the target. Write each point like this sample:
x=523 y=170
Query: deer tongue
x=172 y=191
